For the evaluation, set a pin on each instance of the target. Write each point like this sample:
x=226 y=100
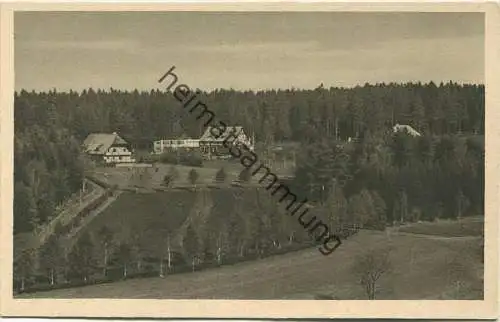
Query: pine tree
x=336 y=206
x=380 y=210
x=418 y=113
x=221 y=176
x=193 y=176
x=245 y=175
x=403 y=204
x=173 y=173
x=362 y=210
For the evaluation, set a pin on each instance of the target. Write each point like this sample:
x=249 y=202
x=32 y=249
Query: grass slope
x=471 y=226
x=124 y=176
x=153 y=215
x=421 y=270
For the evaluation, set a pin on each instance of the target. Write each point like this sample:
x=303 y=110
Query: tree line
x=273 y=115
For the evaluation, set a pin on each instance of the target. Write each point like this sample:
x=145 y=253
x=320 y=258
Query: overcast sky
x=69 y=50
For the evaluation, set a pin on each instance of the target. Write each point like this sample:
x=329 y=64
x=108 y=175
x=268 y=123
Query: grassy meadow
x=127 y=177
x=422 y=267
x=447 y=228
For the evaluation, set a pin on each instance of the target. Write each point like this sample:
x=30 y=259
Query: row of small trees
x=193 y=176
x=249 y=222
x=100 y=256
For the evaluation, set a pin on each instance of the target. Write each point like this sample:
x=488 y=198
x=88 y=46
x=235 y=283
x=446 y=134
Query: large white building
x=207 y=144
x=161 y=145
x=108 y=148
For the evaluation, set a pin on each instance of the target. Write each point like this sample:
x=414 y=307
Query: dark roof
x=208 y=136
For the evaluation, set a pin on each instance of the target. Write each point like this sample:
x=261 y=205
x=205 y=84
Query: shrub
x=170 y=177
x=221 y=175
x=191 y=158
x=244 y=175
x=173 y=173
x=169 y=157
x=149 y=158
x=59 y=229
x=193 y=176
x=167 y=180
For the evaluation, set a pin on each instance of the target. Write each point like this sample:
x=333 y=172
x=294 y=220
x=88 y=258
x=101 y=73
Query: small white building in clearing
x=405 y=128
x=108 y=148
x=161 y=145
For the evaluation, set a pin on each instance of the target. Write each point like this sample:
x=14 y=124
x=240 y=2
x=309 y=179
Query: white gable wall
x=118 y=154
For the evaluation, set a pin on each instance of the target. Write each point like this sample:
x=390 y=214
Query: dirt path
x=72 y=237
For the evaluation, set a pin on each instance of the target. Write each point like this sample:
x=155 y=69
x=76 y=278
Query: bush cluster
x=184 y=157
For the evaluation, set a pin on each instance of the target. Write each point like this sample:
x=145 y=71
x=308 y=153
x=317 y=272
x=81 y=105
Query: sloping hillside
x=420 y=270
x=153 y=216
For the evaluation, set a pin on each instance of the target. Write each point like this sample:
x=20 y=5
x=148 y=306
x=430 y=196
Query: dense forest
x=438 y=174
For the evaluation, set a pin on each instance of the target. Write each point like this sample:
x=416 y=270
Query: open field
x=472 y=226
x=124 y=176
x=279 y=167
x=420 y=270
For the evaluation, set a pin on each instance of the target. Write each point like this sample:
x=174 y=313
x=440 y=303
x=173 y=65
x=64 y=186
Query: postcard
x=250 y=160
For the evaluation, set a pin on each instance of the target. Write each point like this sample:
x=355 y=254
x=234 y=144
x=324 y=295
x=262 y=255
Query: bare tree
x=124 y=256
x=105 y=236
x=24 y=267
x=167 y=270
x=51 y=259
x=369 y=267
x=137 y=246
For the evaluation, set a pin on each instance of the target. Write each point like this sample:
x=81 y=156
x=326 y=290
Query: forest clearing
x=152 y=177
